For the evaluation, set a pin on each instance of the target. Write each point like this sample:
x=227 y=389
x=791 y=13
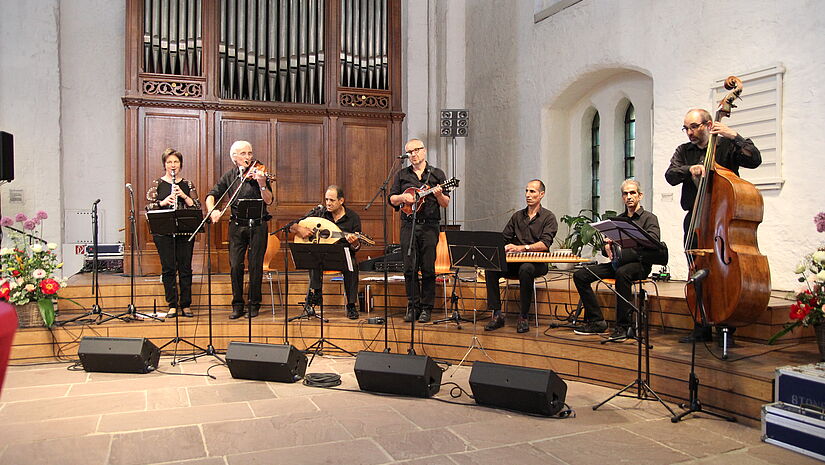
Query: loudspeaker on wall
x=518 y=388
x=266 y=362
x=409 y=375
x=6 y=156
x=118 y=354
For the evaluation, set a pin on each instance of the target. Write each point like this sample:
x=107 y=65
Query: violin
x=259 y=168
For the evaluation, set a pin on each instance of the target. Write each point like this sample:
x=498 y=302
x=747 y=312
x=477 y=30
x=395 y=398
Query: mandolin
x=422 y=192
x=325 y=231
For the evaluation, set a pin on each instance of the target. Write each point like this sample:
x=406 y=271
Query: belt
x=249 y=222
x=422 y=220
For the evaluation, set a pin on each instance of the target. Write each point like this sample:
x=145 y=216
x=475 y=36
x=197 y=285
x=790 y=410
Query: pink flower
x=819 y=220
x=29 y=224
x=29 y=287
x=6 y=221
x=41 y=214
x=20 y=218
x=39 y=273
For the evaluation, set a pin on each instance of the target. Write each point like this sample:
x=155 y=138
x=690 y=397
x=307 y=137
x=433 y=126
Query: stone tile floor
x=50 y=415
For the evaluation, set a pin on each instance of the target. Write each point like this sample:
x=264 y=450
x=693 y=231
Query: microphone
x=96 y=202
x=129 y=187
x=316 y=209
x=403 y=157
x=698 y=276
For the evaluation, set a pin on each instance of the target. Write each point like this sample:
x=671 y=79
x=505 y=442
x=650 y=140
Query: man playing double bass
x=686 y=167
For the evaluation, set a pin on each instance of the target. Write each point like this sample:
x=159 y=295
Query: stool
x=636 y=286
x=273 y=245
x=508 y=285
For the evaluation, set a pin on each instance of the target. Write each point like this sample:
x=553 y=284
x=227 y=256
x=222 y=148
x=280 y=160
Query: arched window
x=629 y=141
x=594 y=164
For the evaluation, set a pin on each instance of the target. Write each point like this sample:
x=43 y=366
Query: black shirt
x=250 y=190
x=522 y=230
x=161 y=189
x=730 y=153
x=649 y=223
x=348 y=223
x=429 y=211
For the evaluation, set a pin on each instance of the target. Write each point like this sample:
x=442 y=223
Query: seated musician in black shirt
x=626 y=266
x=529 y=230
x=349 y=222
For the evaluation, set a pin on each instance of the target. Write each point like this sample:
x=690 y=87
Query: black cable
x=322 y=380
x=206 y=375
x=213 y=366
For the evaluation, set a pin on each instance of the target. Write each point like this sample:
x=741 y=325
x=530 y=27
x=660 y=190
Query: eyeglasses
x=414 y=151
x=694 y=126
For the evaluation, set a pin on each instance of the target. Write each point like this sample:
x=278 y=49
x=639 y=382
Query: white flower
x=821 y=276
x=800 y=268
x=39 y=273
x=12 y=284
x=819 y=256
x=51 y=245
x=37 y=248
x=29 y=287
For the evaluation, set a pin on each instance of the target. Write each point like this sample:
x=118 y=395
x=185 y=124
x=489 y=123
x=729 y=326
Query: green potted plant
x=581 y=234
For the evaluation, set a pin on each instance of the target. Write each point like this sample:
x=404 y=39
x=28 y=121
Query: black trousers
x=250 y=242
x=624 y=276
x=420 y=292
x=350 y=283
x=175 y=252
x=526 y=274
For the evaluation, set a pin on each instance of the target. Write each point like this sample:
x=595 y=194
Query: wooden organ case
x=314 y=85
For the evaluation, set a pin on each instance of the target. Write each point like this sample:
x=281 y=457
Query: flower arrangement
x=809 y=298
x=27 y=271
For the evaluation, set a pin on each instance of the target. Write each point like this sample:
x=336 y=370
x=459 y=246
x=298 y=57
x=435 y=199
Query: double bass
x=726 y=213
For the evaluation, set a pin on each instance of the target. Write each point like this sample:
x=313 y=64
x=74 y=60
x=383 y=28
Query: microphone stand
x=96 y=310
x=131 y=309
x=382 y=191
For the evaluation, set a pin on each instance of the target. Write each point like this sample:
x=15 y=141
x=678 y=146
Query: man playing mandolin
x=420 y=294
x=349 y=222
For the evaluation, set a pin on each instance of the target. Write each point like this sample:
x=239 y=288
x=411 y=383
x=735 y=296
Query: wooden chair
x=273 y=245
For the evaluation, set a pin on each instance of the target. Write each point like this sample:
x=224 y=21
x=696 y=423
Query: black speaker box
x=408 y=375
x=6 y=156
x=518 y=388
x=266 y=362
x=118 y=354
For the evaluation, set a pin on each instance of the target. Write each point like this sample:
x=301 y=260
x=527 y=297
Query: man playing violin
x=420 y=293
x=247 y=224
x=348 y=221
x=529 y=230
x=686 y=166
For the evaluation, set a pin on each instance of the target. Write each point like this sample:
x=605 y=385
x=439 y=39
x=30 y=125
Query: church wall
x=517 y=70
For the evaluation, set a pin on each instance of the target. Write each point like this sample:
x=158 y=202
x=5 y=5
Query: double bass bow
x=721 y=241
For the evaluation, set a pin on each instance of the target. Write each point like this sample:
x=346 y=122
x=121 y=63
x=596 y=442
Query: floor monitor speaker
x=518 y=388
x=6 y=156
x=266 y=362
x=408 y=375
x=118 y=354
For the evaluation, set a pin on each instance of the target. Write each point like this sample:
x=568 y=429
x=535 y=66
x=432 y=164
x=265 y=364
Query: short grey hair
x=631 y=181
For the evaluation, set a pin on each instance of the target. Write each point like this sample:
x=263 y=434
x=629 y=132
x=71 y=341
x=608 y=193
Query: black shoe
x=314 y=298
x=591 y=328
x=494 y=324
x=620 y=332
x=522 y=326
x=352 y=313
x=699 y=335
x=424 y=317
x=253 y=311
x=411 y=314
x=187 y=312
x=236 y=313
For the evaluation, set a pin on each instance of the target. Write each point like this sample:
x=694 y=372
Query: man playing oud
x=348 y=222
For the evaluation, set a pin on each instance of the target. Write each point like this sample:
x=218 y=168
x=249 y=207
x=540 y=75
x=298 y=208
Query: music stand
x=333 y=257
x=476 y=250
x=250 y=208
x=625 y=233
x=178 y=222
